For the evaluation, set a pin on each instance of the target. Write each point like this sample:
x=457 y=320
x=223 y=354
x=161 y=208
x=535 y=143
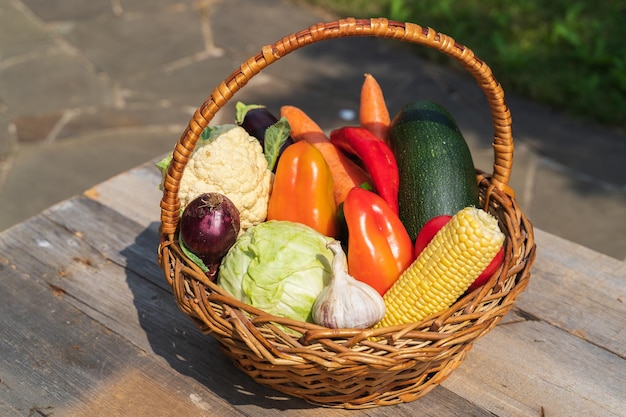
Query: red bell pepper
x=377 y=157
x=379 y=247
x=430 y=229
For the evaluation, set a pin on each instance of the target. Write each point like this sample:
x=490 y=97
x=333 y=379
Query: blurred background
x=567 y=54
x=91 y=88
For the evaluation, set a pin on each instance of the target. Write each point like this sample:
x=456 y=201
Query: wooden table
x=88 y=327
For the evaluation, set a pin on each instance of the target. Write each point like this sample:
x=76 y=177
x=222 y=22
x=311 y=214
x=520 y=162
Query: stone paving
x=89 y=89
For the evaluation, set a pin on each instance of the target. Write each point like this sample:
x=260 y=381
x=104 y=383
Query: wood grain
x=580 y=291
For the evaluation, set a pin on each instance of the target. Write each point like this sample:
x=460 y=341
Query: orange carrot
x=346 y=173
x=373 y=111
x=300 y=122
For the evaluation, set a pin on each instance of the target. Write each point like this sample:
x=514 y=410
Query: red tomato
x=429 y=230
x=489 y=271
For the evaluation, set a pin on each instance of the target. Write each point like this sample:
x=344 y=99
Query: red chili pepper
x=377 y=157
x=379 y=247
x=430 y=229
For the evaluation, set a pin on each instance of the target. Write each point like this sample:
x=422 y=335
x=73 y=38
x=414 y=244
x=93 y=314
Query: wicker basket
x=352 y=368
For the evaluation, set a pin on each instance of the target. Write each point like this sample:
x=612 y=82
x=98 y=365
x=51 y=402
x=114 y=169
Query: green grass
x=568 y=54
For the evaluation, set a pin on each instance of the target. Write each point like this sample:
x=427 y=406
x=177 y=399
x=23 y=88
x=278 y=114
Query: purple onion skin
x=209 y=226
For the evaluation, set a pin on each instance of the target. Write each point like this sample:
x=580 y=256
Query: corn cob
x=454 y=258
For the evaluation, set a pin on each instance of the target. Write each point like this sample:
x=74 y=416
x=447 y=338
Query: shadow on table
x=174 y=337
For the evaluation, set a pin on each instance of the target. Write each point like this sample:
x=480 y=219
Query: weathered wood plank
x=134 y=193
x=54 y=359
x=578 y=290
x=62 y=260
x=525 y=366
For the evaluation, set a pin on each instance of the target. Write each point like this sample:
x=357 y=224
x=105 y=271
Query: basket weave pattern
x=352 y=368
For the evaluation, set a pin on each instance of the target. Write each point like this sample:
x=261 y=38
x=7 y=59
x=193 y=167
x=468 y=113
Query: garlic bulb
x=346 y=302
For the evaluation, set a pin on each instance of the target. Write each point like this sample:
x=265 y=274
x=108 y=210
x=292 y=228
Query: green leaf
x=275 y=137
x=242 y=109
x=366 y=186
x=163 y=165
x=193 y=257
x=207 y=133
x=212 y=132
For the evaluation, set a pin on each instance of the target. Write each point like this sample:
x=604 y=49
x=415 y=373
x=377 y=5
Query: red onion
x=209 y=226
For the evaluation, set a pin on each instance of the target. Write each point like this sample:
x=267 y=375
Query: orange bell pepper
x=303 y=190
x=379 y=246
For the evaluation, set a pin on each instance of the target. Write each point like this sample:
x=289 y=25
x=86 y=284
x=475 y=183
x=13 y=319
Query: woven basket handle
x=378 y=27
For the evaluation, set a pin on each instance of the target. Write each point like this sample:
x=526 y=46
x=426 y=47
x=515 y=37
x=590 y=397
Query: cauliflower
x=230 y=162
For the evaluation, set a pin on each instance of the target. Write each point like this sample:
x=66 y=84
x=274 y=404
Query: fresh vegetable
x=302 y=124
x=379 y=247
x=227 y=160
x=303 y=190
x=455 y=257
x=278 y=266
x=429 y=231
x=346 y=173
x=346 y=302
x=435 y=165
x=491 y=269
x=377 y=157
x=271 y=132
x=209 y=226
x=341 y=218
x=373 y=111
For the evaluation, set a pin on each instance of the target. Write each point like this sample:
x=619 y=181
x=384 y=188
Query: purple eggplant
x=256 y=121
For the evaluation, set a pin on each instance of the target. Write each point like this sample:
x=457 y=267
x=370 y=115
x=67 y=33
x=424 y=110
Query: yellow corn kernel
x=453 y=259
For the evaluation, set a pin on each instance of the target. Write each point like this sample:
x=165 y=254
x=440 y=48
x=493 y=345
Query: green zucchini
x=437 y=174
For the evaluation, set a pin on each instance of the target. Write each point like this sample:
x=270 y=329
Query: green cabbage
x=279 y=267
